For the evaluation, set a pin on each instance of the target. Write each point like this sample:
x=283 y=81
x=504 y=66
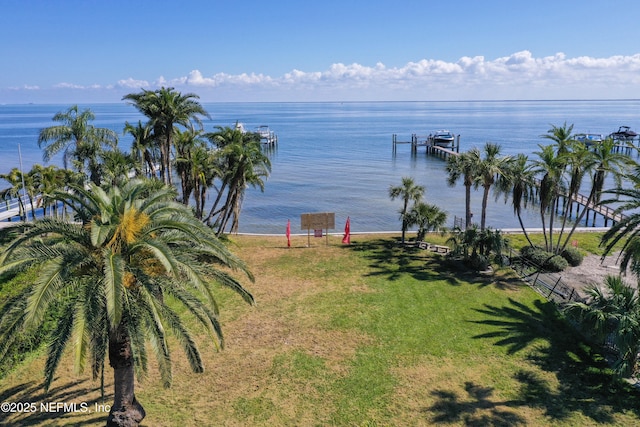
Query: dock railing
x=11 y=207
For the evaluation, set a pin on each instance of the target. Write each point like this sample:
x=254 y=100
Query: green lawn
x=367 y=334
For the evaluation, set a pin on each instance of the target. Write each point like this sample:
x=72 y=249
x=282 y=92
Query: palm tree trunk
x=524 y=230
x=483 y=215
x=169 y=143
x=213 y=211
x=126 y=410
x=590 y=199
x=227 y=211
x=544 y=229
x=552 y=214
x=565 y=216
x=467 y=206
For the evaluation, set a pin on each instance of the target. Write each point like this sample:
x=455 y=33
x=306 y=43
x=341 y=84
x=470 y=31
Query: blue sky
x=69 y=51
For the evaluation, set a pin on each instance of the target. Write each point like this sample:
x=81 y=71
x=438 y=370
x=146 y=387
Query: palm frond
x=183 y=337
x=59 y=338
x=206 y=316
x=113 y=286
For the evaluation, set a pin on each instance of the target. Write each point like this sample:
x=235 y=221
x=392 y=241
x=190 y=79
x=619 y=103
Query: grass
x=368 y=334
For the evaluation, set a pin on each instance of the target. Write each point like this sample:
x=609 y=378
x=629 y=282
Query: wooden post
x=586 y=221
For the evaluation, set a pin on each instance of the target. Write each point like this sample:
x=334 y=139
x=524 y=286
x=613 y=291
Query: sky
x=94 y=51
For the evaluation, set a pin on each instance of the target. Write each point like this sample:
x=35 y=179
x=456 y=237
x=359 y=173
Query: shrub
x=544 y=259
x=478 y=262
x=556 y=263
x=535 y=254
x=573 y=256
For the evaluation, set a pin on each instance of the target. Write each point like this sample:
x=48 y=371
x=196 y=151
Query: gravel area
x=593 y=270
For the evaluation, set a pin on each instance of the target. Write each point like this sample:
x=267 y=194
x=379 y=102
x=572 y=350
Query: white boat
x=240 y=126
x=443 y=138
x=589 y=139
x=624 y=133
x=267 y=136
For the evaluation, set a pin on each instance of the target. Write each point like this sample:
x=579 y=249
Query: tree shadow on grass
x=586 y=384
x=477 y=409
x=45 y=407
x=391 y=260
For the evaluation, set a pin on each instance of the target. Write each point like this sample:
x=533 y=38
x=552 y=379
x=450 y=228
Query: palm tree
x=464 y=165
x=520 y=182
x=204 y=170
x=562 y=138
x=222 y=138
x=142 y=147
x=612 y=317
x=602 y=161
x=552 y=169
x=246 y=165
x=187 y=143
x=17 y=181
x=165 y=108
x=427 y=217
x=117 y=167
x=408 y=191
x=81 y=142
x=490 y=166
x=628 y=229
x=111 y=270
x=578 y=161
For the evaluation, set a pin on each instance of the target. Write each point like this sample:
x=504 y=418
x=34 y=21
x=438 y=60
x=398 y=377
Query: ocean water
x=338 y=157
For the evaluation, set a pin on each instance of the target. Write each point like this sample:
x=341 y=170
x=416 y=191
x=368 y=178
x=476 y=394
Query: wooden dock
x=426 y=141
x=267 y=136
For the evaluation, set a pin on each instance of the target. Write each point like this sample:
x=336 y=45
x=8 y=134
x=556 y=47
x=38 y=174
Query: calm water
x=337 y=157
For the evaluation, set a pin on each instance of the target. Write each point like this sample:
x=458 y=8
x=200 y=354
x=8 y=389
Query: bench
x=434 y=248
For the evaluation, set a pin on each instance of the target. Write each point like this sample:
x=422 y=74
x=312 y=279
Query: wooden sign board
x=314 y=221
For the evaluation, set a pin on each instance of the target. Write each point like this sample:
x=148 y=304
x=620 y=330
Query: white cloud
x=520 y=75
x=25 y=87
x=68 y=86
x=131 y=83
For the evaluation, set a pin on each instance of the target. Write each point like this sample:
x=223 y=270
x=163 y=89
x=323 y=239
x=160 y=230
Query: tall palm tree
x=562 y=138
x=464 y=165
x=602 y=162
x=578 y=161
x=612 y=315
x=221 y=139
x=520 y=183
x=246 y=165
x=142 y=147
x=79 y=140
x=552 y=168
x=204 y=170
x=17 y=181
x=187 y=144
x=409 y=191
x=165 y=108
x=111 y=270
x=490 y=166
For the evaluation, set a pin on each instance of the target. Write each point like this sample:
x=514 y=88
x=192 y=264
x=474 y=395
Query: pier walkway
x=11 y=208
